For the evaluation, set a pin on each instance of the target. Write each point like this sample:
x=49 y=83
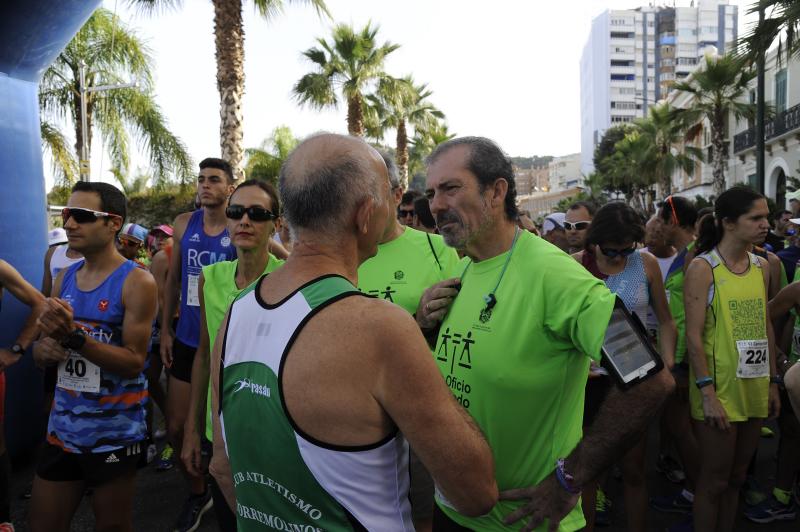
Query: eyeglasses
x=129 y=243
x=613 y=253
x=255 y=213
x=576 y=226
x=405 y=213
x=672 y=207
x=84 y=216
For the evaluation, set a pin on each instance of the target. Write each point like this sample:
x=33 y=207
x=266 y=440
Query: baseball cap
x=56 y=236
x=552 y=222
x=134 y=232
x=167 y=230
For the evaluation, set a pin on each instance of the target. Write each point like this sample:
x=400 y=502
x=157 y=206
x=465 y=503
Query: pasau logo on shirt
x=257 y=389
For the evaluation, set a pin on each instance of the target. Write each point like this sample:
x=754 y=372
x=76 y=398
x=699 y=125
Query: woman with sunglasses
x=251 y=214
x=731 y=351
x=611 y=254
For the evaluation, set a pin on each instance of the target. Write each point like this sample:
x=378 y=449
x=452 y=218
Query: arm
x=667 y=332
x=47 y=278
x=695 y=289
x=220 y=467
x=277 y=249
x=172 y=290
x=783 y=322
x=774 y=264
x=433 y=307
x=159 y=267
x=774 y=391
x=410 y=388
x=27 y=294
x=196 y=419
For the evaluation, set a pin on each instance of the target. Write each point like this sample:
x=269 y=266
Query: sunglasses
x=255 y=213
x=403 y=213
x=576 y=226
x=84 y=216
x=129 y=243
x=674 y=214
x=612 y=253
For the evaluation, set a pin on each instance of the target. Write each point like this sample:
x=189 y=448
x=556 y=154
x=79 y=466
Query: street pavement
x=159 y=497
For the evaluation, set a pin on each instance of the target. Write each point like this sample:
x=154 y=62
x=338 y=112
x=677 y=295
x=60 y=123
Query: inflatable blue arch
x=32 y=34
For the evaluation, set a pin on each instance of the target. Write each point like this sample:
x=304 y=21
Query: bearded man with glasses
x=96 y=330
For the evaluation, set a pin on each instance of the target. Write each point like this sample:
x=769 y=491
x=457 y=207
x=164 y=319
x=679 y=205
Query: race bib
x=78 y=374
x=753 y=359
x=193 y=290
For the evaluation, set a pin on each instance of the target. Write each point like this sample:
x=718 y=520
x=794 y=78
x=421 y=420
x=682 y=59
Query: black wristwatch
x=74 y=340
x=17 y=349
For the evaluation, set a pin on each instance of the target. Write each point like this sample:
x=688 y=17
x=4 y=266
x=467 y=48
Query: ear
x=231 y=188
x=364 y=212
x=398 y=196
x=115 y=224
x=499 y=191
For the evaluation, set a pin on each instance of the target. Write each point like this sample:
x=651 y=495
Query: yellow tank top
x=735 y=341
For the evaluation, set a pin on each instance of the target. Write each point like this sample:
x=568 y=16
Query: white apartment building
x=565 y=172
x=633 y=56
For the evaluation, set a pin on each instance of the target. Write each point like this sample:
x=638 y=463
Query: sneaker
x=670 y=468
x=152 y=452
x=771 y=510
x=6 y=527
x=687 y=525
x=192 y=512
x=754 y=494
x=165 y=462
x=602 y=508
x=676 y=504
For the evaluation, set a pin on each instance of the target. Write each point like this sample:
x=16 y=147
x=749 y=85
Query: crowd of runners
x=342 y=354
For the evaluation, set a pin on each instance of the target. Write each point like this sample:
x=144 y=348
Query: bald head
x=325 y=178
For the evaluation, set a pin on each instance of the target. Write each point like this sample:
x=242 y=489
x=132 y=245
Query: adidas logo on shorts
x=112 y=459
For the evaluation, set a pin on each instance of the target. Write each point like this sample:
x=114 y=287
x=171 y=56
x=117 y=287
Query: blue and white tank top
x=94 y=410
x=197 y=250
x=632 y=286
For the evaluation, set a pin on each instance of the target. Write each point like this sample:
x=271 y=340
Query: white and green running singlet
x=520 y=368
x=283 y=478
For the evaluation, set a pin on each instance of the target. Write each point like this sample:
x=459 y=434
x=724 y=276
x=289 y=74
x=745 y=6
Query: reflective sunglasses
x=674 y=214
x=84 y=216
x=255 y=213
x=576 y=226
x=613 y=253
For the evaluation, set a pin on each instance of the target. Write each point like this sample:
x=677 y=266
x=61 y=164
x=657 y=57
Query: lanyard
x=490 y=298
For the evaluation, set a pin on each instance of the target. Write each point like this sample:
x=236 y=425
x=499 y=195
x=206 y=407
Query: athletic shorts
x=421 y=492
x=95 y=469
x=596 y=391
x=50 y=379
x=182 y=359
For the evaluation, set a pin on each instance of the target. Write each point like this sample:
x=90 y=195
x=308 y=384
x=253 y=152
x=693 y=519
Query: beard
x=458 y=234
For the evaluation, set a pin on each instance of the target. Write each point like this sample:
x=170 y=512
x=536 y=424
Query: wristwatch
x=17 y=349
x=777 y=379
x=74 y=340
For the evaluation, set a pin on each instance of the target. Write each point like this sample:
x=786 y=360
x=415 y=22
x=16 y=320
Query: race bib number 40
x=78 y=374
x=753 y=359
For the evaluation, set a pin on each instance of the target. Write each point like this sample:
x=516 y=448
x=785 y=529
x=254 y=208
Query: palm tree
x=350 y=62
x=397 y=104
x=718 y=91
x=113 y=54
x=782 y=24
x=265 y=161
x=131 y=185
x=661 y=132
x=229 y=41
x=424 y=142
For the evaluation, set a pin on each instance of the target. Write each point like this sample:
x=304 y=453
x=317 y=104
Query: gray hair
x=391 y=167
x=320 y=191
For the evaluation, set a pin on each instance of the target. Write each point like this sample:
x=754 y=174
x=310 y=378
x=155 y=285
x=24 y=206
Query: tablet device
x=627 y=353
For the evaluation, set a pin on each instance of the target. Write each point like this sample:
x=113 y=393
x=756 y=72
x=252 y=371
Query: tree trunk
x=76 y=103
x=355 y=116
x=718 y=159
x=229 y=40
x=402 y=154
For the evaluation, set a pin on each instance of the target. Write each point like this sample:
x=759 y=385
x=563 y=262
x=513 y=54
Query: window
x=622 y=35
x=621 y=63
x=617 y=119
x=621 y=77
x=667 y=62
x=780 y=91
x=687 y=61
x=623 y=105
x=626 y=90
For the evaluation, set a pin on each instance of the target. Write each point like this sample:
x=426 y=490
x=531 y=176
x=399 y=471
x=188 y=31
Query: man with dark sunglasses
x=405 y=211
x=577 y=220
x=96 y=331
x=131 y=241
x=200 y=238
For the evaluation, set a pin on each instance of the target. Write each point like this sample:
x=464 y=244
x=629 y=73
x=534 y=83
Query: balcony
x=787 y=121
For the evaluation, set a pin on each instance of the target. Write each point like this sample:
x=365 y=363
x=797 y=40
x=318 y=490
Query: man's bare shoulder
x=373 y=316
x=180 y=223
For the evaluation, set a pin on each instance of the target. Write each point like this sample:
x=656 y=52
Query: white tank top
x=59 y=261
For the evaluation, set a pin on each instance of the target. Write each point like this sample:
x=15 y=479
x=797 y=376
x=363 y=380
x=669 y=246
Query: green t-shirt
x=405 y=267
x=521 y=369
x=673 y=286
x=219 y=291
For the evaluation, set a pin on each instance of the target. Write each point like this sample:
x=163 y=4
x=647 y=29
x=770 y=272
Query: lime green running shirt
x=521 y=369
x=405 y=267
x=673 y=286
x=219 y=291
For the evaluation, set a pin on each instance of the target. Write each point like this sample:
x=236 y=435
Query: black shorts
x=596 y=390
x=182 y=359
x=95 y=469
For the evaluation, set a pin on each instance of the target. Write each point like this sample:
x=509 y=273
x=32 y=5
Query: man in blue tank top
x=200 y=239
x=96 y=331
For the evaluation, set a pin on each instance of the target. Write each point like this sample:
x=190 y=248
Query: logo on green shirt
x=399 y=275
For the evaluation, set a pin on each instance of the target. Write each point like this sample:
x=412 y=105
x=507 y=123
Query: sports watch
x=74 y=340
x=17 y=349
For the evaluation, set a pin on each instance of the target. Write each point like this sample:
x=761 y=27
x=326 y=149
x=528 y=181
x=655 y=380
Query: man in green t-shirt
x=408 y=262
x=521 y=322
